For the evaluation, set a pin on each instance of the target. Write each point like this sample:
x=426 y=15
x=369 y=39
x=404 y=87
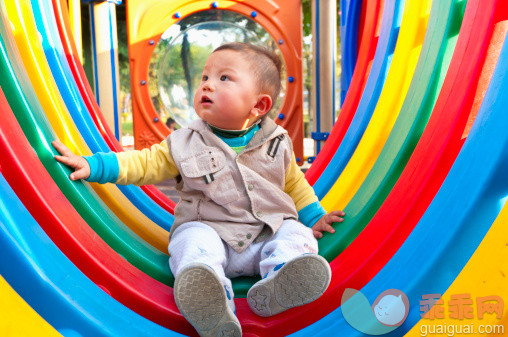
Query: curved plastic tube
x=35 y=187
x=18 y=316
x=366 y=100
x=482 y=276
x=113 y=272
x=64 y=28
x=441 y=36
x=374 y=246
x=30 y=115
x=486 y=270
x=369 y=42
x=321 y=331
x=349 y=26
x=407 y=51
x=456 y=221
x=426 y=170
x=43 y=14
x=60 y=293
x=26 y=37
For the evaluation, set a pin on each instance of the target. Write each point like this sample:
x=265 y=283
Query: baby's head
x=239 y=85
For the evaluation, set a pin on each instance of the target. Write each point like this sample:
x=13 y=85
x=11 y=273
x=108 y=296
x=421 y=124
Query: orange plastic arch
x=147 y=20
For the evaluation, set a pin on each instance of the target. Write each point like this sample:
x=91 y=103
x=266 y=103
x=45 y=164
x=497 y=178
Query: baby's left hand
x=324 y=224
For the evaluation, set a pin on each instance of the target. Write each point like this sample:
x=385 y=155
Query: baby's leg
x=291 y=240
x=202 y=292
x=196 y=242
x=293 y=274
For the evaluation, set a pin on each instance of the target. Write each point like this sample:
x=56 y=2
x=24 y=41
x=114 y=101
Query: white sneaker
x=201 y=298
x=298 y=282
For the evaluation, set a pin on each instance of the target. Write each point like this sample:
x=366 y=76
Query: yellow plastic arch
x=484 y=275
x=75 y=20
x=24 y=28
x=18 y=318
x=405 y=57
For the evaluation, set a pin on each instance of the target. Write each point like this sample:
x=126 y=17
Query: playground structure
x=144 y=36
x=417 y=159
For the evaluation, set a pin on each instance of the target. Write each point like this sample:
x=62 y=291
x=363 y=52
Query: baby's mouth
x=206 y=99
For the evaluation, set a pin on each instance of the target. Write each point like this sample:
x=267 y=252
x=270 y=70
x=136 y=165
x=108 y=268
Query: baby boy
x=245 y=207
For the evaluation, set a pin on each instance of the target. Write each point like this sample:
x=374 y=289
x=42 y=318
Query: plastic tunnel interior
x=416 y=158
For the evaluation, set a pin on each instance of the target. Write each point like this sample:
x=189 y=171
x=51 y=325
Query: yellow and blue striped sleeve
x=143 y=167
x=306 y=202
x=103 y=167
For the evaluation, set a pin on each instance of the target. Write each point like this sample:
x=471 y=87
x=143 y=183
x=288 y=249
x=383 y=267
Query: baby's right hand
x=78 y=163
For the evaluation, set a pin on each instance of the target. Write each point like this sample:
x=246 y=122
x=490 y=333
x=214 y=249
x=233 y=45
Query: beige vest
x=242 y=195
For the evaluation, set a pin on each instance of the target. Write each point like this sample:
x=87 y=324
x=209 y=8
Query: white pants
x=198 y=242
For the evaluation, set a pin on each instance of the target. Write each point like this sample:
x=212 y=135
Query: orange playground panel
x=147 y=20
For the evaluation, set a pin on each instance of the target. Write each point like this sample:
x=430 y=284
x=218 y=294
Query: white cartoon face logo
x=391 y=307
x=389 y=311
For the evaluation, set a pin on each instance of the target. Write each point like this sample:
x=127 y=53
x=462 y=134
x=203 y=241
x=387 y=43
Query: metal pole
x=324 y=32
x=105 y=53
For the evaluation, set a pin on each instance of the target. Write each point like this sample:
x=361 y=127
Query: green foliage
x=123 y=56
x=307 y=18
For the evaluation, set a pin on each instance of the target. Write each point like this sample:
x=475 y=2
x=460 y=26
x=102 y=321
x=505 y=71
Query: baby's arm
x=148 y=166
x=310 y=211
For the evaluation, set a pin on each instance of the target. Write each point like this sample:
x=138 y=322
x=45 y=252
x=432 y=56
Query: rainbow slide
x=418 y=161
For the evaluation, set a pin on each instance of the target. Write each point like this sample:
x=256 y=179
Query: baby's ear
x=263 y=105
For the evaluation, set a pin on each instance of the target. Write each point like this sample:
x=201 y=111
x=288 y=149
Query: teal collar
x=223 y=133
x=241 y=140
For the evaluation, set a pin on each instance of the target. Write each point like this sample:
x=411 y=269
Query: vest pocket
x=208 y=172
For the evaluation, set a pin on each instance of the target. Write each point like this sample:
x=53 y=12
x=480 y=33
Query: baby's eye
x=204 y=78
x=224 y=78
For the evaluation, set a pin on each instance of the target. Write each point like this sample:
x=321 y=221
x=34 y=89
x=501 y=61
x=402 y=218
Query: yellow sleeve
x=147 y=166
x=298 y=187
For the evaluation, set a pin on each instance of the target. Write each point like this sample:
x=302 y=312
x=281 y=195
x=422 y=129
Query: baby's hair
x=266 y=64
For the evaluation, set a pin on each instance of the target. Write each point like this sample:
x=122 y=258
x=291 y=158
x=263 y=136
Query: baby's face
x=228 y=91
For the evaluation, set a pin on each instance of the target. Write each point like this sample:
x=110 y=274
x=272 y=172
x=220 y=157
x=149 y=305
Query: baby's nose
x=208 y=86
